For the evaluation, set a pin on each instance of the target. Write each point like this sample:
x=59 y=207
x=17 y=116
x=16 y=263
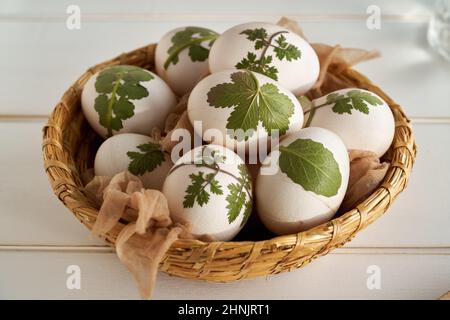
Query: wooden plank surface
x=206 y=10
x=336 y=276
x=44 y=58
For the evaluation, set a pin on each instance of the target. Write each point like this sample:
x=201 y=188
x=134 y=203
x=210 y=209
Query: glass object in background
x=439 y=28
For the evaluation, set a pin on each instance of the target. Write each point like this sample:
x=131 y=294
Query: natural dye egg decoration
x=245 y=107
x=126 y=99
x=359 y=117
x=138 y=154
x=181 y=57
x=268 y=49
x=210 y=187
x=303 y=181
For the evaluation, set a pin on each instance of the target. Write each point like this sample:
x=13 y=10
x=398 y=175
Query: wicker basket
x=69 y=146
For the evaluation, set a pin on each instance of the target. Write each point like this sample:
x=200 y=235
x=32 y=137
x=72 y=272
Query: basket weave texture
x=69 y=145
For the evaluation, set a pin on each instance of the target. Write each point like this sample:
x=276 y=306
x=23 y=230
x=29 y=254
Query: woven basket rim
x=65 y=180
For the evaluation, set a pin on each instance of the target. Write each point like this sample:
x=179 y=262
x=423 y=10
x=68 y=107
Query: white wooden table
x=40 y=58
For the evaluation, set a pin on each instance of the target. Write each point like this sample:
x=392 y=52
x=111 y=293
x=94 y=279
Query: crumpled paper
x=177 y=120
x=366 y=174
x=141 y=244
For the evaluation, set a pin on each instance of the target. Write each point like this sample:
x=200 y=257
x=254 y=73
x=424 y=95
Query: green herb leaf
x=150 y=158
x=252 y=103
x=237 y=198
x=309 y=164
x=285 y=50
x=282 y=49
x=361 y=100
x=354 y=99
x=197 y=190
x=343 y=105
x=122 y=83
x=236 y=201
x=209 y=158
x=258 y=65
x=255 y=34
x=191 y=38
x=198 y=53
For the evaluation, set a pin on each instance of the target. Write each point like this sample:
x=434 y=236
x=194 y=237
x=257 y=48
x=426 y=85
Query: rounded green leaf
x=309 y=164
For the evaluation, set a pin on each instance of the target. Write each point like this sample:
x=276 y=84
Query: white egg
x=359 y=117
x=126 y=99
x=226 y=104
x=181 y=57
x=210 y=187
x=303 y=181
x=269 y=49
x=137 y=153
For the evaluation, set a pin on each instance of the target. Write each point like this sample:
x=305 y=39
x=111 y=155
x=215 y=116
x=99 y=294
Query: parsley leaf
x=255 y=34
x=281 y=48
x=116 y=86
x=150 y=158
x=353 y=99
x=285 y=50
x=191 y=38
x=237 y=198
x=197 y=190
x=252 y=103
x=209 y=158
x=309 y=164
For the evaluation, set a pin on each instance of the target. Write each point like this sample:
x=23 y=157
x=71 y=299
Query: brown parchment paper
x=141 y=244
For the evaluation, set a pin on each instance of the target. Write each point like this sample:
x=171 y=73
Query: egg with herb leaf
x=139 y=154
x=269 y=49
x=210 y=187
x=181 y=57
x=302 y=182
x=126 y=99
x=244 y=108
x=359 y=117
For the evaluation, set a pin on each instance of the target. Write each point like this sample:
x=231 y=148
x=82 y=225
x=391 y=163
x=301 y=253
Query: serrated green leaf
x=309 y=164
x=352 y=100
x=105 y=82
x=191 y=38
x=101 y=106
x=215 y=187
x=254 y=34
x=332 y=97
x=275 y=109
x=123 y=108
x=361 y=100
x=208 y=157
x=132 y=91
x=237 y=198
x=281 y=41
x=150 y=157
x=122 y=84
x=282 y=49
x=236 y=201
x=343 y=106
x=252 y=103
x=259 y=44
x=247 y=212
x=197 y=192
x=198 y=53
